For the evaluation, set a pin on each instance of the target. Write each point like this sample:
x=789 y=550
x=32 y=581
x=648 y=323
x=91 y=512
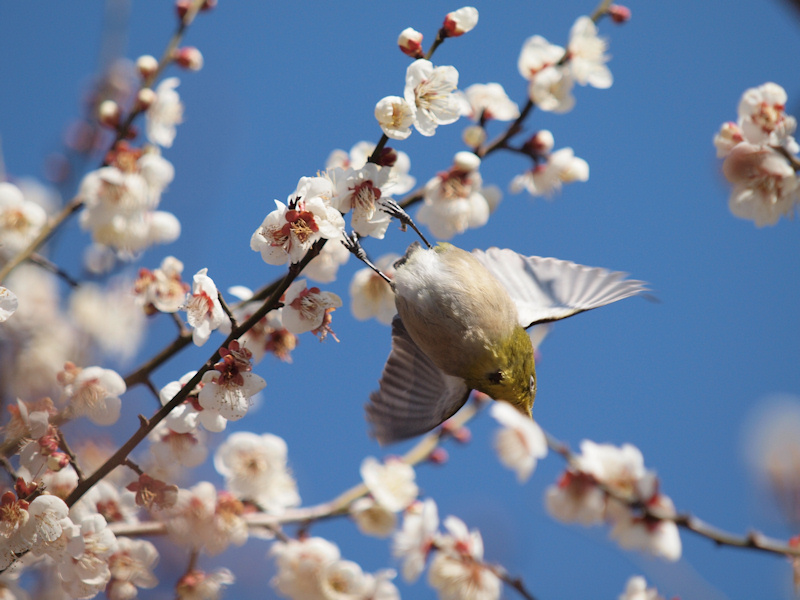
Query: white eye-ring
x=533 y=384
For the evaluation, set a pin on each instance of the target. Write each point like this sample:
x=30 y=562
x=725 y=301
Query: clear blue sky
x=286 y=83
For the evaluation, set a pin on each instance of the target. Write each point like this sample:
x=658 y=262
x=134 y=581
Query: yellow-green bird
x=461 y=326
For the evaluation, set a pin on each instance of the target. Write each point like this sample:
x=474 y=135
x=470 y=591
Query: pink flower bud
x=460 y=21
x=188 y=57
x=541 y=143
x=146 y=65
x=108 y=113
x=438 y=456
x=410 y=42
x=619 y=14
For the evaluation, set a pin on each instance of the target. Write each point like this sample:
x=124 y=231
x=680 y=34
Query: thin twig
x=73 y=460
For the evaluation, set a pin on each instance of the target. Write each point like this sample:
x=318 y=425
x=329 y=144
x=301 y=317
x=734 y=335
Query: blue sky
x=286 y=83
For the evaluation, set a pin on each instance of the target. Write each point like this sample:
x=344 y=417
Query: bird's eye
x=495 y=377
x=533 y=384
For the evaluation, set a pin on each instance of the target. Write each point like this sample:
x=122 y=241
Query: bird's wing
x=548 y=289
x=414 y=394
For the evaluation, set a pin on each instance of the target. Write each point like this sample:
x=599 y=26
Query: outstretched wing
x=548 y=289
x=414 y=395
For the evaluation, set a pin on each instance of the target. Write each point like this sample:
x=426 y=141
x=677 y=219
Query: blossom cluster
x=605 y=484
x=760 y=155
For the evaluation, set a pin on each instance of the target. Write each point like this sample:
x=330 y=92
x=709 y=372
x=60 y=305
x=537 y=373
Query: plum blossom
x=636 y=589
x=546 y=178
x=576 y=498
x=395 y=117
x=308 y=309
x=131 y=568
x=203 y=308
x=289 y=231
x=8 y=303
x=268 y=335
x=186 y=448
x=205 y=519
x=39 y=526
x=115 y=505
x=199 y=585
x=587 y=55
x=360 y=191
x=228 y=387
x=255 y=469
x=301 y=565
x=30 y=420
x=391 y=483
x=537 y=54
x=763 y=118
x=489 y=101
x=164 y=113
x=162 y=289
x=370 y=295
x=521 y=442
x=20 y=220
x=457 y=570
x=415 y=539
x=765 y=186
x=93 y=392
x=325 y=265
x=726 y=139
x=373 y=518
x=430 y=92
x=658 y=537
x=551 y=89
x=188 y=415
x=455 y=200
x=84 y=569
x=398 y=162
x=460 y=21
x=120 y=202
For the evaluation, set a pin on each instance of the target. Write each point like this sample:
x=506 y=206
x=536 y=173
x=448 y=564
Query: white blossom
x=636 y=589
x=189 y=414
x=545 y=179
x=587 y=55
x=373 y=518
x=430 y=91
x=308 y=309
x=521 y=442
x=164 y=114
x=255 y=468
x=131 y=568
x=763 y=118
x=657 y=537
x=415 y=539
x=20 y=220
x=8 y=303
x=370 y=295
x=203 y=308
x=324 y=266
x=301 y=565
x=93 y=392
x=489 y=101
x=228 y=387
x=360 y=192
x=395 y=117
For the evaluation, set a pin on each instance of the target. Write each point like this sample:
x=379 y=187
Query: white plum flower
x=658 y=537
x=360 y=192
x=187 y=448
x=203 y=308
x=455 y=200
x=370 y=295
x=413 y=542
x=636 y=589
x=490 y=101
x=84 y=570
x=325 y=265
x=288 y=232
x=545 y=179
x=301 y=565
x=576 y=498
x=727 y=138
x=188 y=415
x=131 y=568
x=8 y=303
x=395 y=117
x=538 y=54
x=373 y=518
x=199 y=585
x=551 y=89
x=763 y=118
x=343 y=580
x=93 y=392
x=228 y=388
x=398 y=162
x=390 y=483
x=521 y=442
x=430 y=91
x=164 y=113
x=204 y=519
x=457 y=570
x=308 y=309
x=255 y=468
x=21 y=220
x=587 y=55
x=161 y=289
x=765 y=186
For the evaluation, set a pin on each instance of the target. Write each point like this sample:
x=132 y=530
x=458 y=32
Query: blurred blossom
x=413 y=542
x=587 y=55
x=93 y=392
x=521 y=442
x=489 y=101
x=370 y=295
x=546 y=178
x=187 y=448
x=161 y=289
x=430 y=92
x=372 y=518
x=199 y=585
x=772 y=449
x=636 y=589
x=255 y=469
x=164 y=113
x=391 y=483
x=20 y=220
x=325 y=265
x=309 y=309
x=131 y=568
x=8 y=303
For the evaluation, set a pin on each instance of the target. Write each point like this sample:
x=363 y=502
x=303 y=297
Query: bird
x=461 y=325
